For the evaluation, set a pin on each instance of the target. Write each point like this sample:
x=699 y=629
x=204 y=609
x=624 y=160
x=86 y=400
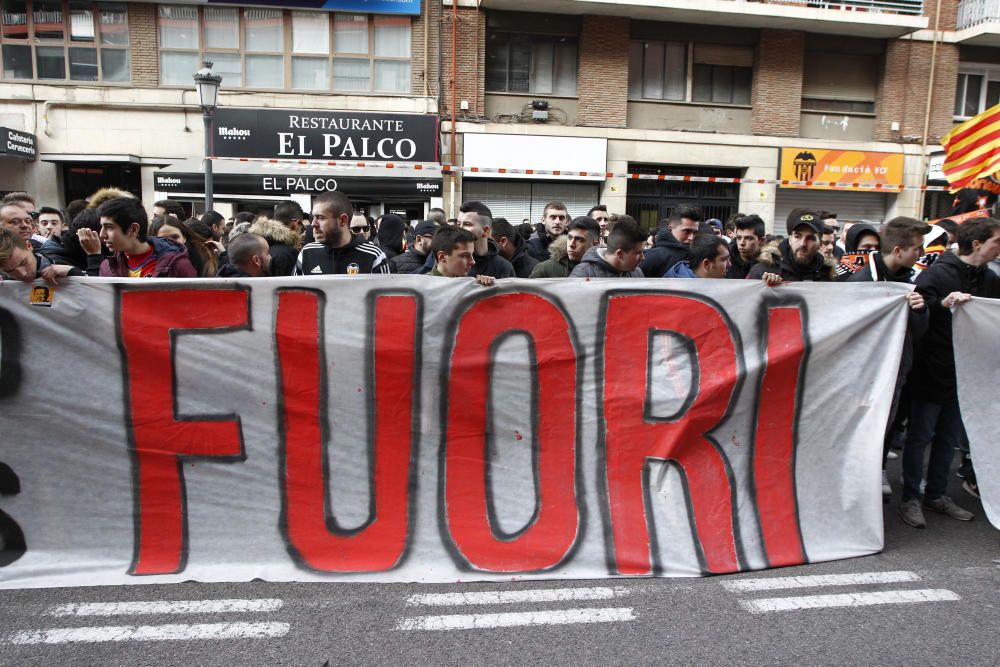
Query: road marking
x=165 y=607
x=848 y=600
x=856 y=579
x=513 y=619
x=514 y=597
x=122 y=633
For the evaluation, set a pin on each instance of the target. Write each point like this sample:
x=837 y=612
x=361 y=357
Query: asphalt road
x=932 y=597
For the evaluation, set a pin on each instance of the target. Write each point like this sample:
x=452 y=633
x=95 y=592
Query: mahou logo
x=233 y=132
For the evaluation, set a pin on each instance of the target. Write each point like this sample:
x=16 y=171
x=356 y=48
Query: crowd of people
x=111 y=234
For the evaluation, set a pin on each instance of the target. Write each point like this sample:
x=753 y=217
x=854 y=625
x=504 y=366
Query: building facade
x=856 y=91
x=106 y=89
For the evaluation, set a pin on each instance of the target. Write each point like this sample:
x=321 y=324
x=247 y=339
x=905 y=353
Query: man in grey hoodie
x=621 y=257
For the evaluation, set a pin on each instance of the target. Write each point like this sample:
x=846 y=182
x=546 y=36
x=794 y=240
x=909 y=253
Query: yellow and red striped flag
x=972 y=150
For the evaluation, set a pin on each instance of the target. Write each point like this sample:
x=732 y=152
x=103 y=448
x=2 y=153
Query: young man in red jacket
x=134 y=255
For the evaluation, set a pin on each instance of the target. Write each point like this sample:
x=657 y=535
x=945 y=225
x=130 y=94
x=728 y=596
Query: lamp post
x=207 y=83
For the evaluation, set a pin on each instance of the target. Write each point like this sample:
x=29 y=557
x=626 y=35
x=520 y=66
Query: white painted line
x=151 y=633
x=513 y=619
x=514 y=597
x=165 y=607
x=848 y=600
x=856 y=579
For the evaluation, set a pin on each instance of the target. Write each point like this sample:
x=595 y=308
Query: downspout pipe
x=924 y=160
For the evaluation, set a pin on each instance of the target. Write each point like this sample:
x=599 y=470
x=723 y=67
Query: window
x=286 y=49
x=840 y=82
x=522 y=63
x=978 y=90
x=64 y=40
x=683 y=72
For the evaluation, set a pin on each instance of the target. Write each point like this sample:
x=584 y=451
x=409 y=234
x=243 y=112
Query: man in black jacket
x=249 y=257
x=415 y=257
x=797 y=258
x=901 y=245
x=934 y=410
x=513 y=248
x=555 y=217
x=340 y=251
x=673 y=242
x=745 y=247
x=477 y=218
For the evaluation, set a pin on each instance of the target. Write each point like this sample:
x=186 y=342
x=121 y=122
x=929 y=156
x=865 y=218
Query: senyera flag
x=410 y=428
x=972 y=150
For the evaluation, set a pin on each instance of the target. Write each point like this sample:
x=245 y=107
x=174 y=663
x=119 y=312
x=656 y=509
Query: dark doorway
x=649 y=201
x=82 y=179
x=406 y=210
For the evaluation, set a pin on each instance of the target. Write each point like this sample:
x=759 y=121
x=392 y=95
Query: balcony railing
x=911 y=7
x=974 y=12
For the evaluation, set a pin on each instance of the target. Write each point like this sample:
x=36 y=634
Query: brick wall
x=902 y=95
x=470 y=80
x=432 y=11
x=602 y=84
x=777 y=83
x=142 y=45
x=949 y=13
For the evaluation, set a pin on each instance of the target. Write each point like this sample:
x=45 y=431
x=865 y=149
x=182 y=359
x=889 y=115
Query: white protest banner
x=976 y=336
x=407 y=428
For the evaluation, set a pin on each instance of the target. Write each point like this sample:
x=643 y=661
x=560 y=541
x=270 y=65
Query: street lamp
x=207 y=83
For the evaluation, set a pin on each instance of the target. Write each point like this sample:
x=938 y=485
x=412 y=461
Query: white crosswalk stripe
x=513 y=619
x=120 y=633
x=167 y=632
x=165 y=607
x=848 y=600
x=839 y=600
x=536 y=617
x=513 y=597
x=857 y=579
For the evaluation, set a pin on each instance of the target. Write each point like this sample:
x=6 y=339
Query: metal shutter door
x=578 y=197
x=506 y=199
x=848 y=205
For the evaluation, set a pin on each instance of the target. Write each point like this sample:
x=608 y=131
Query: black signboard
x=18 y=144
x=290 y=134
x=283 y=184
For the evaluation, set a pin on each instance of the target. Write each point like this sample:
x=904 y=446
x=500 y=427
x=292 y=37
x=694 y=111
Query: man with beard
x=340 y=251
x=796 y=258
x=566 y=251
x=249 y=257
x=415 y=257
x=554 y=220
x=745 y=246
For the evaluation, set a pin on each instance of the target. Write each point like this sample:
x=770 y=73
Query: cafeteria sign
x=853 y=169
